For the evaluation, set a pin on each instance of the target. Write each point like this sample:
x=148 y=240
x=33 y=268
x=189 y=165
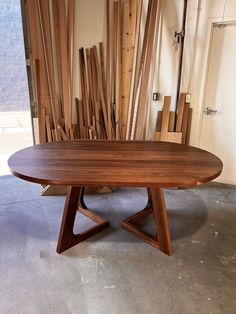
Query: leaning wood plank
x=144 y=44
x=102 y=62
x=171 y=121
x=81 y=122
x=127 y=47
x=56 y=32
x=180 y=112
x=117 y=12
x=48 y=127
x=48 y=28
x=39 y=31
x=77 y=117
x=97 y=120
x=72 y=136
x=47 y=51
x=42 y=136
x=36 y=130
x=146 y=71
x=94 y=75
x=174 y=137
x=43 y=123
x=108 y=69
x=165 y=115
x=100 y=88
x=84 y=90
x=95 y=92
x=63 y=134
x=54 y=135
x=134 y=66
x=157 y=136
x=44 y=18
x=159 y=121
x=135 y=111
x=114 y=52
x=70 y=43
x=101 y=48
x=37 y=54
x=34 y=84
x=64 y=66
x=54 y=51
x=90 y=85
x=190 y=114
x=58 y=105
x=151 y=83
x=75 y=130
x=185 y=123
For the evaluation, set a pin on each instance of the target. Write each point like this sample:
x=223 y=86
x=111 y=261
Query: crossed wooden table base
x=81 y=163
x=155 y=206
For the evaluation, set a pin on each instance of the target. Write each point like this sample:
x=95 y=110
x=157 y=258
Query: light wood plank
x=173 y=137
x=146 y=71
x=180 y=112
x=165 y=115
x=190 y=114
x=100 y=88
x=185 y=123
x=172 y=116
x=48 y=127
x=129 y=12
x=108 y=69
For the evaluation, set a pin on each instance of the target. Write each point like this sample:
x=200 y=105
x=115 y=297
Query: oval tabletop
x=115 y=163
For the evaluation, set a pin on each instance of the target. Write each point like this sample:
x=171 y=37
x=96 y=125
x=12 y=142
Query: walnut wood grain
x=156 y=206
x=115 y=163
x=81 y=163
x=67 y=237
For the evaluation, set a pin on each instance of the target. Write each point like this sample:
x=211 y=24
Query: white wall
x=90 y=29
x=194 y=76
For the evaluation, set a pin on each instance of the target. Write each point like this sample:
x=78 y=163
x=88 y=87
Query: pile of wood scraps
x=172 y=126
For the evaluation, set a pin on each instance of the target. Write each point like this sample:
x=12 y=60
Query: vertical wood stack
x=116 y=82
x=172 y=126
x=49 y=31
x=116 y=77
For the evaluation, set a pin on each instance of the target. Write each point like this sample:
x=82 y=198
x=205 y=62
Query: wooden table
x=82 y=163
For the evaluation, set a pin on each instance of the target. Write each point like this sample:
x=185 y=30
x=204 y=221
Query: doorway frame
x=204 y=77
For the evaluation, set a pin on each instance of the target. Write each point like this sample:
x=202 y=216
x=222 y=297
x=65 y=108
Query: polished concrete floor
x=114 y=272
x=15 y=134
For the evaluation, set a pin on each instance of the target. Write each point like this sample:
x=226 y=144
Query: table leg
x=161 y=220
x=156 y=206
x=74 y=202
x=82 y=203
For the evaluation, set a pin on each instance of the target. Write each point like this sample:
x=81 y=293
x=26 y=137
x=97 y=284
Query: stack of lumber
x=49 y=30
x=93 y=110
x=117 y=77
x=172 y=126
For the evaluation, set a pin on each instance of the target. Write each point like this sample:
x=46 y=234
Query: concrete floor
x=114 y=272
x=15 y=134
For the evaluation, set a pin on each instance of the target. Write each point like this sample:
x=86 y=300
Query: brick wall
x=13 y=77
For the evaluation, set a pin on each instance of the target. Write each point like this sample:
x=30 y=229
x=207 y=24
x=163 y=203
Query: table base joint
x=75 y=202
x=156 y=206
